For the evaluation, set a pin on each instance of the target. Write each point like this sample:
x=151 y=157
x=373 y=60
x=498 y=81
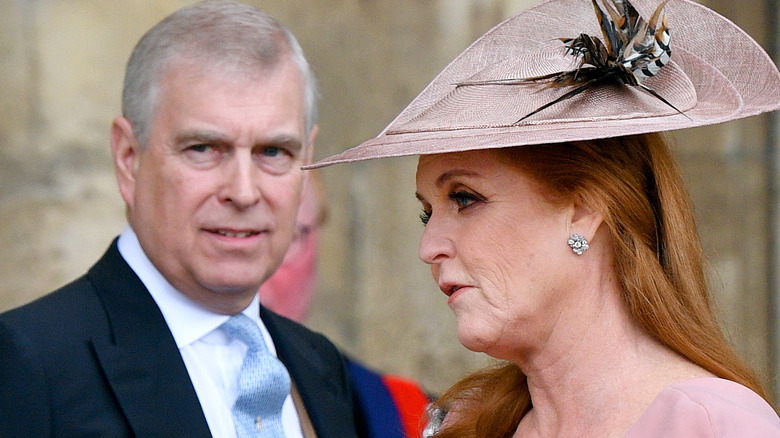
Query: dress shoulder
x=707 y=407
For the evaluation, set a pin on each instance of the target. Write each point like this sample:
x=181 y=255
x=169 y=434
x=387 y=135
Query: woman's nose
x=435 y=244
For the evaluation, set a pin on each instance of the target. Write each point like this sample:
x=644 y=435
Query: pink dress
x=707 y=407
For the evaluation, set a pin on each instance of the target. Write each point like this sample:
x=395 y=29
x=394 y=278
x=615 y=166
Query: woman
x=558 y=226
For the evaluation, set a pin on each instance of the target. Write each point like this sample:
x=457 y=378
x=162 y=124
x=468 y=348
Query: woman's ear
x=584 y=220
x=125 y=152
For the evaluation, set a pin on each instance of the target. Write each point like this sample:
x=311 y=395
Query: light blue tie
x=262 y=386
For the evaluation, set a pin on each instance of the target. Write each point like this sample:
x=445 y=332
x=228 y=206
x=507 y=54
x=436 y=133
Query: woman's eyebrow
x=448 y=175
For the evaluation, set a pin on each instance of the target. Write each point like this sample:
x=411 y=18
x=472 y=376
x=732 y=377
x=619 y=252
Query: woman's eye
x=463 y=199
x=425 y=216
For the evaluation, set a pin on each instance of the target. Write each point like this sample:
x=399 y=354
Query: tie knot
x=242 y=327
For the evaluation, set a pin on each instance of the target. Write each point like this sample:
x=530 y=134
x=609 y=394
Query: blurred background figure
x=289 y=291
x=392 y=406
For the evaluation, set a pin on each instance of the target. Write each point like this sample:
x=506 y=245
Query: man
x=389 y=406
x=218 y=116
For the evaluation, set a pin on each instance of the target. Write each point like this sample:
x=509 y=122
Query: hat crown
x=716 y=73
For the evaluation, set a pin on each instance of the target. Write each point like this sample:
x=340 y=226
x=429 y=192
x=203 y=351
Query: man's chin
x=227 y=299
x=234 y=289
x=226 y=281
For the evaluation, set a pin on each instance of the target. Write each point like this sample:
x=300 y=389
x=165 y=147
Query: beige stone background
x=61 y=68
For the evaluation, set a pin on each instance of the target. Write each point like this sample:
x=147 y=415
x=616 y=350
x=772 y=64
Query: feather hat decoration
x=661 y=66
x=633 y=50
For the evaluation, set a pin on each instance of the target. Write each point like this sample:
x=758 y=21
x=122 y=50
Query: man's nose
x=242 y=182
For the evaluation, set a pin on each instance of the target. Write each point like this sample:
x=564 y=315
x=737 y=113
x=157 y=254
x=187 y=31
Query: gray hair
x=229 y=36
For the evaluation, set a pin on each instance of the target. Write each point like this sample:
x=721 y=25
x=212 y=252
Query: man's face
x=213 y=196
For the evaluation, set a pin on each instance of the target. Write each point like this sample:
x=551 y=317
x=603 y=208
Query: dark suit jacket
x=96 y=358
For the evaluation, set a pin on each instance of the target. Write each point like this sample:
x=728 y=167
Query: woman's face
x=497 y=248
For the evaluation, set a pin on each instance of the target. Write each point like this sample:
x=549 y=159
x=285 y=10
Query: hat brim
x=717 y=73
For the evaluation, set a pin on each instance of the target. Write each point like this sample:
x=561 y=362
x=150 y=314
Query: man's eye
x=272 y=151
x=463 y=199
x=203 y=153
x=199 y=148
x=275 y=159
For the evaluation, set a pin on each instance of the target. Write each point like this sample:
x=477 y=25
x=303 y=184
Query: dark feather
x=633 y=49
x=568 y=95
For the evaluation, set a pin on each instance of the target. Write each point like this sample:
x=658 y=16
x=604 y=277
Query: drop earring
x=578 y=243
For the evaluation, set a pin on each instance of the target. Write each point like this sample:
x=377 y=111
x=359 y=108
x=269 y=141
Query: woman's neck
x=597 y=373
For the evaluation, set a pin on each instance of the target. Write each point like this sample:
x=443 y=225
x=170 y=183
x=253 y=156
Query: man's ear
x=125 y=152
x=308 y=156
x=584 y=220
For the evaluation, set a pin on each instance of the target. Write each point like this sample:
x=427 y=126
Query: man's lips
x=234 y=232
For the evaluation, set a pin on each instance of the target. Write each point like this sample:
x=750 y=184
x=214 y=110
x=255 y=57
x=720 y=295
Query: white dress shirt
x=213 y=359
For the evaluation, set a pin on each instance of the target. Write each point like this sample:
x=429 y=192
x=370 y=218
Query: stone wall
x=60 y=82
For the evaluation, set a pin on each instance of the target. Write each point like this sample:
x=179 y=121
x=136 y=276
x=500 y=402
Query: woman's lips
x=449 y=288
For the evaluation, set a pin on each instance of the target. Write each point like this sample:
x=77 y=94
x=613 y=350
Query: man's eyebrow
x=201 y=136
x=284 y=140
x=207 y=136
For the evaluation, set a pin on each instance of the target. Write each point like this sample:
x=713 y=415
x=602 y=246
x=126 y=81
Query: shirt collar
x=187 y=320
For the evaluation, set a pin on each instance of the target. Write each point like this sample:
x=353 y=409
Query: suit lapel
x=141 y=361
x=321 y=383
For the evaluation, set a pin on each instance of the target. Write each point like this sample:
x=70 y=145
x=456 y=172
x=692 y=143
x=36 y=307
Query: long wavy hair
x=634 y=183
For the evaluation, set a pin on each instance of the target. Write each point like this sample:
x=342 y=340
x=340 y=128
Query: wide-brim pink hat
x=716 y=73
